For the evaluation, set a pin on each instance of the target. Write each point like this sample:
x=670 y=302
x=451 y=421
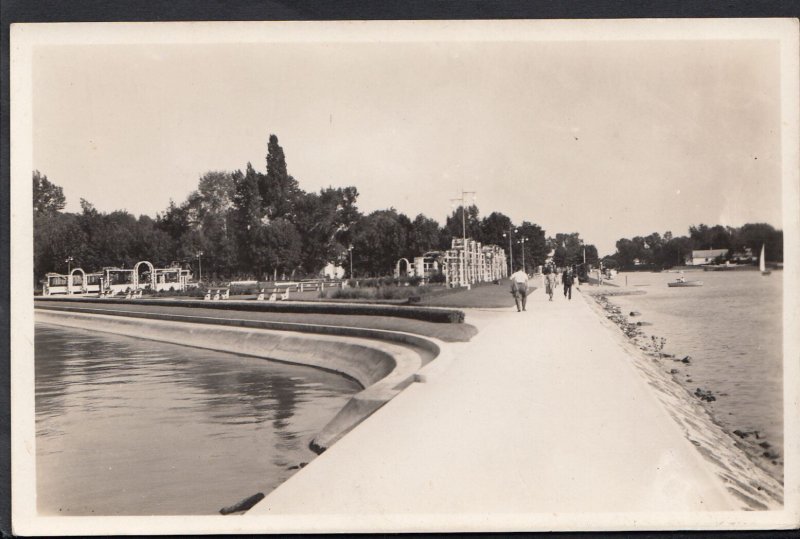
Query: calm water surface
x=732 y=329
x=133 y=427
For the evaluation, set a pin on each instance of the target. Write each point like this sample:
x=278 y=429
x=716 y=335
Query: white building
x=331 y=271
x=706 y=256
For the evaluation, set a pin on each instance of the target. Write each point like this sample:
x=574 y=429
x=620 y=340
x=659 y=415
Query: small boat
x=762 y=265
x=682 y=282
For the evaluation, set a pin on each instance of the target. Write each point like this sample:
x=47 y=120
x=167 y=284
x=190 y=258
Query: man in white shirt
x=519 y=287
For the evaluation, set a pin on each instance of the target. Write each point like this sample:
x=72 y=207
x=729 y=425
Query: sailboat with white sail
x=762 y=263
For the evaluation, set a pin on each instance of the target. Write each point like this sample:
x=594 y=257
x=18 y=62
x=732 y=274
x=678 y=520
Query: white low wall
x=382 y=368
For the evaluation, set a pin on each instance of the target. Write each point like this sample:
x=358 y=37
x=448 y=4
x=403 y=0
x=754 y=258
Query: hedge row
x=426 y=314
x=380 y=293
x=377 y=282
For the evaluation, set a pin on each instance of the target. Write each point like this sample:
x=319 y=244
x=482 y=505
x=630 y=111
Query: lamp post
x=69 y=277
x=464 y=231
x=510 y=235
x=200 y=266
x=350 y=248
x=522 y=241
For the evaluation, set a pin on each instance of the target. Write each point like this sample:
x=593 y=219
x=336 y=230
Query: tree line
x=667 y=251
x=253 y=224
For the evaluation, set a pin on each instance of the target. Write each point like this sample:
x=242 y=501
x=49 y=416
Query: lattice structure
x=481 y=263
x=494 y=265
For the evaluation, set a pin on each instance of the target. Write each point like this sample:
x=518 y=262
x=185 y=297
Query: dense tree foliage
x=255 y=224
x=456 y=224
x=495 y=229
x=568 y=250
x=535 y=245
x=56 y=237
x=668 y=251
x=47 y=197
x=424 y=235
x=247 y=223
x=379 y=240
x=754 y=235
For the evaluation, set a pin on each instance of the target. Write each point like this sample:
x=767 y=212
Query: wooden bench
x=218 y=293
x=275 y=293
x=312 y=286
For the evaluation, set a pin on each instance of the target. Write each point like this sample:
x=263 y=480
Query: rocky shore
x=745 y=460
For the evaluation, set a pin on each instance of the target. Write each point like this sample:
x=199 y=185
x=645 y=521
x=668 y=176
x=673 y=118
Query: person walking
x=567 y=279
x=519 y=288
x=550 y=284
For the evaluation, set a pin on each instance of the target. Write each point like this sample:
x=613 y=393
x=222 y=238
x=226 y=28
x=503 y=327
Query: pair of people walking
x=551 y=283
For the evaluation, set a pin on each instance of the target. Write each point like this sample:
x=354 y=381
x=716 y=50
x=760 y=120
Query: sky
x=610 y=139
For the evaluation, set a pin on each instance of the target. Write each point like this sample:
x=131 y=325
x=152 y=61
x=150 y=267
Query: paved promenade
x=542 y=412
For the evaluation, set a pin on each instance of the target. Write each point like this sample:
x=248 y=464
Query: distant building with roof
x=706 y=256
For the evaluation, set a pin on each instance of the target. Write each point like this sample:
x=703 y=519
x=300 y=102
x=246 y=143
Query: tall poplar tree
x=278 y=189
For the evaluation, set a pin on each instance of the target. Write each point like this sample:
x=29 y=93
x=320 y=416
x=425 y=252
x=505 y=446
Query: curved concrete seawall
x=382 y=368
x=426 y=346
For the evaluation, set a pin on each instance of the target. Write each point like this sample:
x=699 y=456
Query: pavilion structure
x=112 y=280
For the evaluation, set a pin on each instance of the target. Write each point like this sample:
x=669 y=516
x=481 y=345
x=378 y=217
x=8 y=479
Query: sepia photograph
x=405 y=276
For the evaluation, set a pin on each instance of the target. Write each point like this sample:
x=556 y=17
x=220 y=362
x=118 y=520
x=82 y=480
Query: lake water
x=134 y=427
x=732 y=329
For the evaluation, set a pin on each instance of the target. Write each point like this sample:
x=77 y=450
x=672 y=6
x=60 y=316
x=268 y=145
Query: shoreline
x=734 y=457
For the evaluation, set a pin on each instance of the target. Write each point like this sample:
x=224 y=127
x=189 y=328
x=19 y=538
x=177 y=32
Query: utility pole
x=461 y=200
x=350 y=248
x=200 y=266
x=69 y=271
x=510 y=249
